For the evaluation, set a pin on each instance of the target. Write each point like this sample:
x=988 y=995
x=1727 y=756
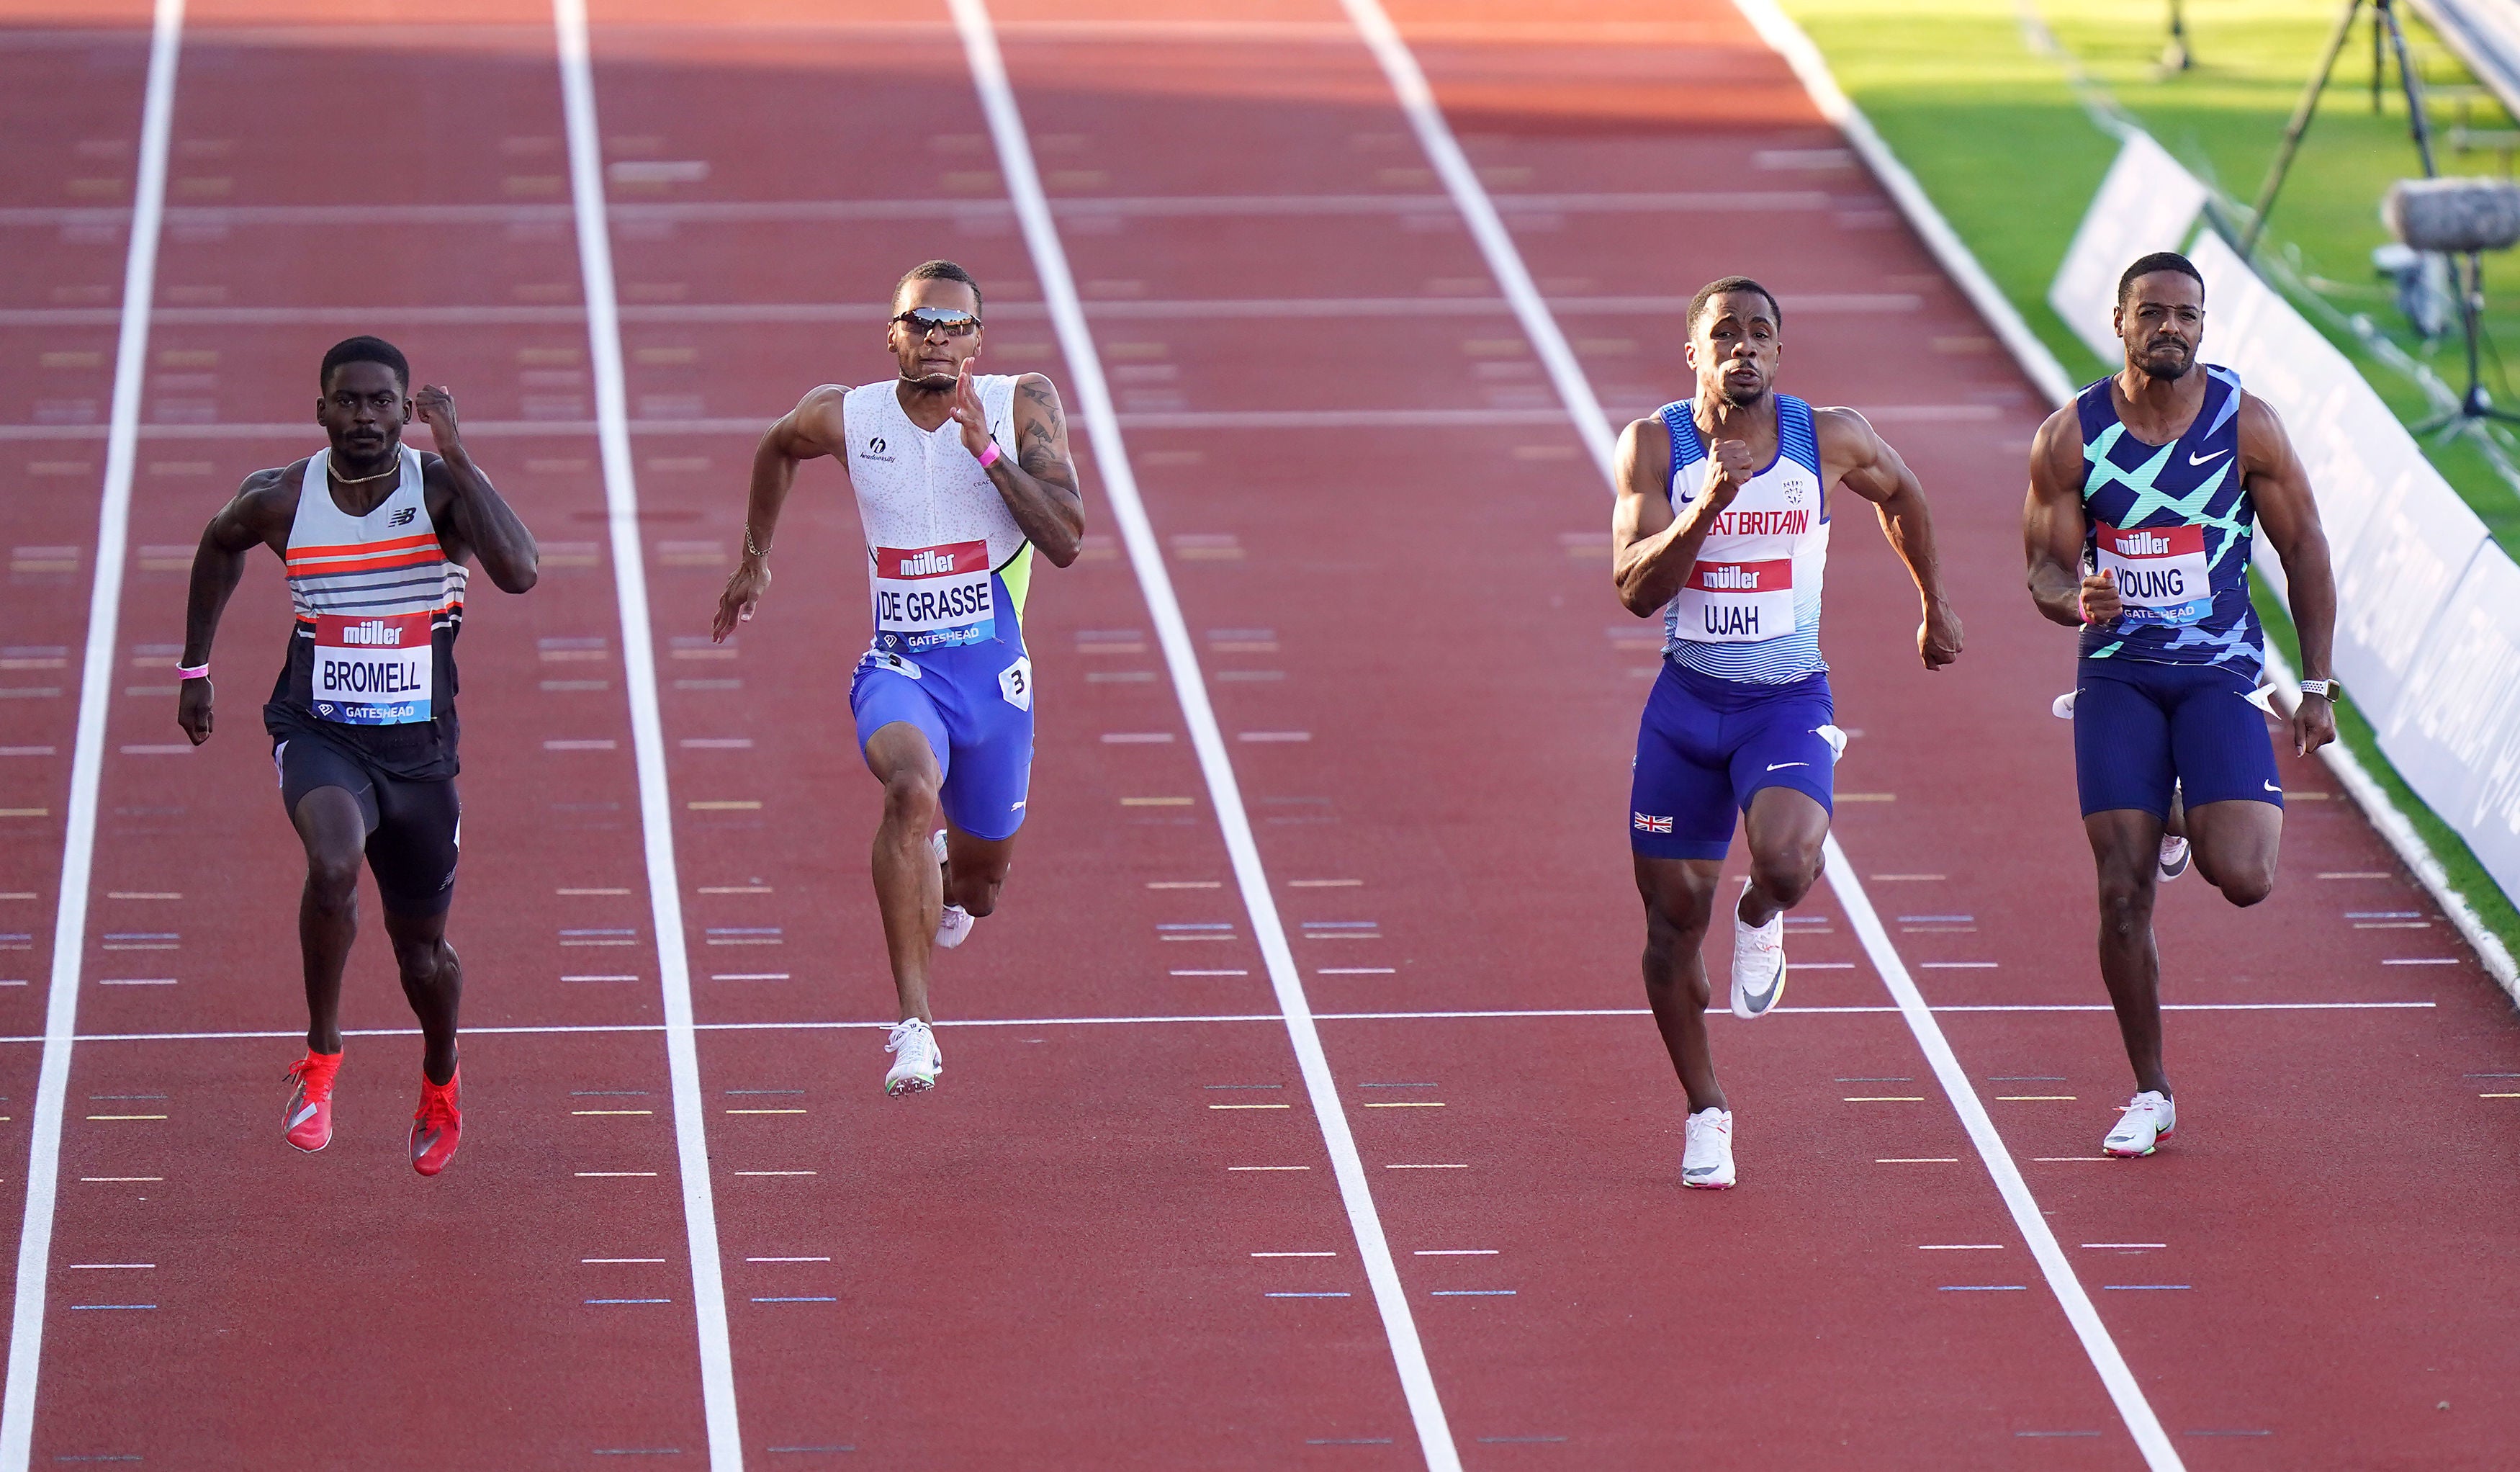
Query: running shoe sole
x=2137 y=1154
x=914 y=1084
x=1707 y=1185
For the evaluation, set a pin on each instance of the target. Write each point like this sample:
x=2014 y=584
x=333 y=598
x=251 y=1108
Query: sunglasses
x=923 y=320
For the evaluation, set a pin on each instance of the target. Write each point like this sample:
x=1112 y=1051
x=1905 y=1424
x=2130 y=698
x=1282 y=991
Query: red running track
x=1428 y=699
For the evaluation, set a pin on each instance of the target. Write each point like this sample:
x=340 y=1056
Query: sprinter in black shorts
x=374 y=536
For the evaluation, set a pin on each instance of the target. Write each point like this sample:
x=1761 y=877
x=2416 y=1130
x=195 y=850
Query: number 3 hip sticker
x=1016 y=684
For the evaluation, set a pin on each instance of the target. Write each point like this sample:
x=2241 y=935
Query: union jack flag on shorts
x=1647 y=824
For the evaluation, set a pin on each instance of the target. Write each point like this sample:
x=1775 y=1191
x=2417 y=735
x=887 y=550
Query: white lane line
x=647 y=731
x=1487 y=227
x=1417 y=100
x=1180 y=657
x=87 y=760
x=2132 y=1407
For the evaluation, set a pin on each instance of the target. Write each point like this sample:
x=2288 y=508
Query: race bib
x=372 y=672
x=1737 y=602
x=933 y=597
x=2161 y=571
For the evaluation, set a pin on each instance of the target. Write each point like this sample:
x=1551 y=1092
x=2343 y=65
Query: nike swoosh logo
x=2271 y=787
x=1778 y=767
x=2201 y=459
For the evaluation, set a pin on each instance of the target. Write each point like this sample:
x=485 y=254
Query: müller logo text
x=929 y=561
x=2142 y=544
x=374 y=631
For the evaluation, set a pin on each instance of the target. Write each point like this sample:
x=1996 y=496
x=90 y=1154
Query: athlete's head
x=1734 y=330
x=935 y=326
x=366 y=397
x=2160 y=314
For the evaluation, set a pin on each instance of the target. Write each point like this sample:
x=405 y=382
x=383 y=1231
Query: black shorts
x=413 y=828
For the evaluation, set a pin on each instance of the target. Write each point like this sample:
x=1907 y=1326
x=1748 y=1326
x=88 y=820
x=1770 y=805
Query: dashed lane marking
x=1453 y=1167
x=765 y=1110
x=798 y=1300
x=787 y=1259
x=2035 y=1098
x=136 y=981
x=2421 y=961
x=621 y=1260
x=1251 y=1106
x=1323 y=884
x=1178 y=972
x=629 y=1301
x=1294 y=1255
x=2356 y=874
x=610 y=1111
x=1885 y=1098
x=1155 y=802
x=749 y=975
x=736 y=889
x=1305 y=1294
x=1958 y=965
x=598 y=978
x=1406 y=1104
x=83 y=1306
x=580 y=891
x=2145 y=1287
x=1960 y=1247
x=101 y=1266
x=607 y=1175
x=126 y=1117
x=1471 y=1292
x=1907 y=878
x=108 y=1180
x=1273 y=736
x=1983 y=1288
x=1355 y=971
x=774 y=1172
x=1136 y=738
x=1268 y=1168
x=726 y=806
x=1184 y=883
x=1916 y=1159
x=1455 y=1251
x=2127 y=1246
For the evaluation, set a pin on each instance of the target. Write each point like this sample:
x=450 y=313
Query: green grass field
x=1994 y=132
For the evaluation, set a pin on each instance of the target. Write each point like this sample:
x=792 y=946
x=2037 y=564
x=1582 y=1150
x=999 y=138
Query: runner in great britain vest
x=1751 y=611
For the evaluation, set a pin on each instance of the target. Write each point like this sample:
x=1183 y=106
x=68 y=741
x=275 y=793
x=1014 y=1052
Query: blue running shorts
x=1706 y=746
x=2141 y=727
x=975 y=705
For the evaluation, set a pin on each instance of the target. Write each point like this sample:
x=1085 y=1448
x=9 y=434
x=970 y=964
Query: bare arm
x=1865 y=464
x=1038 y=482
x=807 y=431
x=483 y=522
x=260 y=512
x=1652 y=547
x=2288 y=519
x=2053 y=528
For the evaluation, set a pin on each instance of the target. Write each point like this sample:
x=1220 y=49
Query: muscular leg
x=1785 y=830
x=334 y=831
x=2126 y=845
x=1679 y=901
x=2235 y=846
x=432 y=980
x=976 y=869
x=908 y=887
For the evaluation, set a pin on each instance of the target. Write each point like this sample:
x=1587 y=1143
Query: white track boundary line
x=1506 y=259
x=1487 y=227
x=1145 y=556
x=647 y=729
x=2132 y=1407
x=96 y=694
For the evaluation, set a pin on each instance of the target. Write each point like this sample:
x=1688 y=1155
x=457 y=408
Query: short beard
x=1741 y=398
x=2159 y=364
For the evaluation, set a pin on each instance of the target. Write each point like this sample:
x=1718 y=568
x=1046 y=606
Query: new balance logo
x=927 y=563
x=402 y=518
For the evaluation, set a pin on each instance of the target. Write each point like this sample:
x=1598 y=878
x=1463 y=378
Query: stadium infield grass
x=1994 y=132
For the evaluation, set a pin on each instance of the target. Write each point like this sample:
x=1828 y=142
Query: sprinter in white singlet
x=959 y=479
x=1722 y=529
x=375 y=535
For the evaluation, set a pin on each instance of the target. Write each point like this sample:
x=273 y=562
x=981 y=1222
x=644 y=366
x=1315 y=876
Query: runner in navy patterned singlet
x=2147 y=496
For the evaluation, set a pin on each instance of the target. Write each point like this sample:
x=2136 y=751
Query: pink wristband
x=201 y=671
x=989 y=456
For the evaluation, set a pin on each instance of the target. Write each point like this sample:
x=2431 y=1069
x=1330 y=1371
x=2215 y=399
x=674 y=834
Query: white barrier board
x=2353 y=448
x=2146 y=204
x=2456 y=734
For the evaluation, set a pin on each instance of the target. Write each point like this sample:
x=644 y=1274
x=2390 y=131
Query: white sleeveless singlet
x=377 y=603
x=1750 y=610
x=937 y=529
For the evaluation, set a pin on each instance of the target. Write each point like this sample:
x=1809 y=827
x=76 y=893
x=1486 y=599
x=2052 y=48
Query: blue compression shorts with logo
x=975 y=706
x=1706 y=746
x=2142 y=727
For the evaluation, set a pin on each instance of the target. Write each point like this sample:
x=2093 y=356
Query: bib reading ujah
x=933 y=597
x=1737 y=602
x=2161 y=571
x=372 y=672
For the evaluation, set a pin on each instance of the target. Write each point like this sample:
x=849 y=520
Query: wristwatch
x=2327 y=690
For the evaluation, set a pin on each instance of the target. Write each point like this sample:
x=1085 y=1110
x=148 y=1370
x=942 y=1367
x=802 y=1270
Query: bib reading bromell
x=1750 y=610
x=2173 y=525
x=378 y=605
